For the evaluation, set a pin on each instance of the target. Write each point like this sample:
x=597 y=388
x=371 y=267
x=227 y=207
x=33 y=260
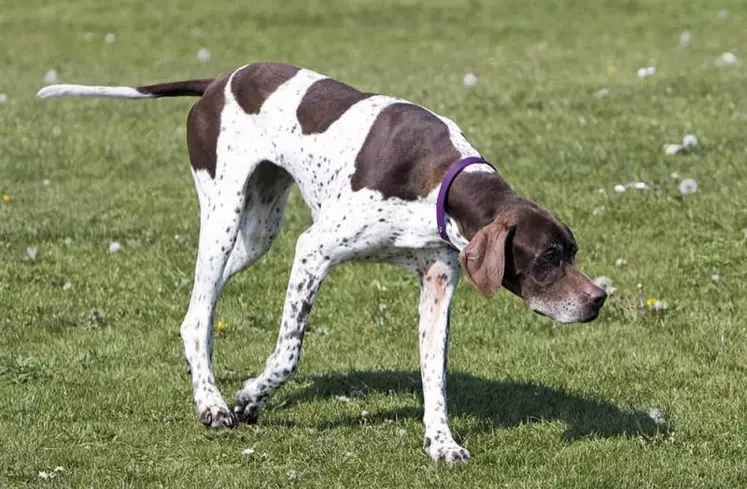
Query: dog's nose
x=597 y=298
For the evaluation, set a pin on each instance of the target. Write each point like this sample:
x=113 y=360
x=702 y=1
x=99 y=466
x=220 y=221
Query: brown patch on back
x=406 y=153
x=203 y=127
x=324 y=102
x=254 y=84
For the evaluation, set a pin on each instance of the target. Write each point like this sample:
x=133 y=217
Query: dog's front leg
x=438 y=280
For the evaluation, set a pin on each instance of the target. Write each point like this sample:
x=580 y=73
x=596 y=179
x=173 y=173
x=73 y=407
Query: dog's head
x=531 y=254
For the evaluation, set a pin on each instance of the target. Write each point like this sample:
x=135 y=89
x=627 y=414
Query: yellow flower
x=221 y=326
x=7 y=198
x=650 y=302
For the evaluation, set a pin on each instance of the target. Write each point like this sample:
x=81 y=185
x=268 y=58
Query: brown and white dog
x=369 y=167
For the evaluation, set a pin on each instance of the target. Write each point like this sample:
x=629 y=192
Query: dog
x=386 y=180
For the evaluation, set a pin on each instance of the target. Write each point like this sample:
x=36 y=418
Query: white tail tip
x=91 y=91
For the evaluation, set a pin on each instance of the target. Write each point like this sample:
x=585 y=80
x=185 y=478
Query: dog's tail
x=194 y=88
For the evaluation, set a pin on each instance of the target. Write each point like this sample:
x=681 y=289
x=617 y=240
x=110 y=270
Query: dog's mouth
x=591 y=316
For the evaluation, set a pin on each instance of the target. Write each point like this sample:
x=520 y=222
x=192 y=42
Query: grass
x=92 y=379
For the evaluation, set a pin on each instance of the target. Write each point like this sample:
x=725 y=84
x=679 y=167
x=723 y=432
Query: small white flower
x=67 y=286
x=647 y=71
x=602 y=93
x=46 y=475
x=110 y=37
x=672 y=149
x=114 y=247
x=605 y=283
x=382 y=307
x=45 y=183
x=469 y=80
x=248 y=452
x=621 y=262
x=601 y=191
x=598 y=211
x=640 y=186
x=31 y=253
x=56 y=131
x=716 y=277
x=160 y=291
x=203 y=55
x=728 y=59
x=343 y=399
x=686 y=38
x=3 y=98
x=619 y=188
x=364 y=414
x=59 y=468
x=50 y=77
x=674 y=175
x=657 y=416
x=68 y=241
x=660 y=306
x=690 y=141
x=688 y=186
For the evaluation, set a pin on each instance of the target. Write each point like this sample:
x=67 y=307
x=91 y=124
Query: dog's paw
x=247 y=407
x=446 y=453
x=217 y=417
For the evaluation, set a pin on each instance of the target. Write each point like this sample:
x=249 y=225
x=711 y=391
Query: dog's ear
x=483 y=259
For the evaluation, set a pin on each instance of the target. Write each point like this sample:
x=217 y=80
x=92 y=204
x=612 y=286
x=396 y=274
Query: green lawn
x=92 y=379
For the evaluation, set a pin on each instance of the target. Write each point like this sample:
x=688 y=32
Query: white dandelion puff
x=688 y=186
x=469 y=80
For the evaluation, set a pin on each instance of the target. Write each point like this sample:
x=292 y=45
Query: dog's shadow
x=492 y=403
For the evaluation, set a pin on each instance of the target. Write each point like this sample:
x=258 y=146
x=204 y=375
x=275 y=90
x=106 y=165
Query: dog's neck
x=476 y=198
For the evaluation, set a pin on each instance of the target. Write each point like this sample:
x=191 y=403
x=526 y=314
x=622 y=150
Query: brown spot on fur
x=406 y=153
x=254 y=84
x=324 y=102
x=203 y=127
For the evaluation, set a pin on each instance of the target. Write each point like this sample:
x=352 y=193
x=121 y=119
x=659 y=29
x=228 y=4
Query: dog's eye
x=552 y=255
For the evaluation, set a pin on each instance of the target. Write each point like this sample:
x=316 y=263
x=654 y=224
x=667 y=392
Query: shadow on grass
x=494 y=404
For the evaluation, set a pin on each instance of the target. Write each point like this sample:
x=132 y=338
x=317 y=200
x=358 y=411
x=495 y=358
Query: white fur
x=91 y=91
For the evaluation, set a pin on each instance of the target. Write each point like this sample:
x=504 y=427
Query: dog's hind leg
x=223 y=170
x=220 y=217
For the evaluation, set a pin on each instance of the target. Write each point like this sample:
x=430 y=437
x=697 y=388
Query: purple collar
x=451 y=174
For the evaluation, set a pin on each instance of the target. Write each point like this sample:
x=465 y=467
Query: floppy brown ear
x=483 y=259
